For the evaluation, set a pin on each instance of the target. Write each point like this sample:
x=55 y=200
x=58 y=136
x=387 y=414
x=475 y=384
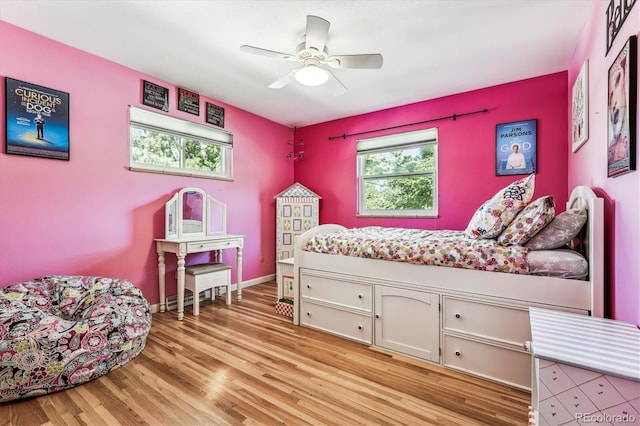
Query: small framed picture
x=516 y=148
x=215 y=115
x=580 y=109
x=188 y=101
x=155 y=96
x=621 y=111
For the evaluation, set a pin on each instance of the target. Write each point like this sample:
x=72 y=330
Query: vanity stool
x=205 y=276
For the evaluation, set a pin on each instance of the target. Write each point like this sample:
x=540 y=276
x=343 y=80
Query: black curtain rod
x=453 y=117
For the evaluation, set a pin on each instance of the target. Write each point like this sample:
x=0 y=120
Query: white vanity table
x=195 y=222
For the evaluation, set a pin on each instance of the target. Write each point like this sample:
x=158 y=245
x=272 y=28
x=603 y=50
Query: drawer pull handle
x=359 y=327
x=458 y=353
x=201 y=245
x=228 y=243
x=377 y=316
x=359 y=296
x=308 y=314
x=458 y=316
x=308 y=286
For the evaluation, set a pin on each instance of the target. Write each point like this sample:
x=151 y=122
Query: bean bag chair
x=57 y=332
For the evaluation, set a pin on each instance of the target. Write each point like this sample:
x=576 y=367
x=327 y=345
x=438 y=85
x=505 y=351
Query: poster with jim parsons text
x=37 y=120
x=516 y=148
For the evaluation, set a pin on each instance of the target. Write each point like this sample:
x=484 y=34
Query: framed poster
x=516 y=148
x=215 y=115
x=37 y=120
x=155 y=96
x=621 y=110
x=188 y=101
x=580 y=108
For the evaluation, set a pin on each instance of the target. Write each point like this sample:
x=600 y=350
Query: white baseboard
x=172 y=301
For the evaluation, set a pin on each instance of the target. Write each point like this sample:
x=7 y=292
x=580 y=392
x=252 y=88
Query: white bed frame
x=470 y=320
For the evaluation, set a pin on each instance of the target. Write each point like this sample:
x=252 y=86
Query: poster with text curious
x=37 y=120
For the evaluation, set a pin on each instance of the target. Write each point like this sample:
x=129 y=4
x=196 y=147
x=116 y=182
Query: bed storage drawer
x=347 y=324
x=494 y=362
x=505 y=324
x=349 y=294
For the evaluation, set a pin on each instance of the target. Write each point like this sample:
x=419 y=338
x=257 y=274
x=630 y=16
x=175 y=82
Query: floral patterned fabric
x=529 y=222
x=57 y=332
x=440 y=248
x=496 y=214
x=562 y=229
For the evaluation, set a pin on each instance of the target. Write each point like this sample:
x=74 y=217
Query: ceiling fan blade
x=317 y=30
x=283 y=81
x=367 y=61
x=334 y=85
x=268 y=53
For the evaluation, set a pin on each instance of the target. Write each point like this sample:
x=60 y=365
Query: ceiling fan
x=312 y=53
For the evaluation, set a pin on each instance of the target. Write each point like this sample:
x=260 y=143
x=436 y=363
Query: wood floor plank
x=246 y=365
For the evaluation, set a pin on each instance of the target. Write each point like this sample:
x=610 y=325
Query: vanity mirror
x=192 y=213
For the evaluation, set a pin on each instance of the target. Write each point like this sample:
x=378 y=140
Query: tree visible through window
x=173 y=150
x=397 y=175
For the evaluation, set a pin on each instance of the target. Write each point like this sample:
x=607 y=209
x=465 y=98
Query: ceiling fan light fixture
x=311 y=75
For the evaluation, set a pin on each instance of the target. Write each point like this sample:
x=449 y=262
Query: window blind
x=188 y=129
x=397 y=140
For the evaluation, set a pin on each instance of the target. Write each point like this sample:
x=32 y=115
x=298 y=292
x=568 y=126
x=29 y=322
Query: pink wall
x=466 y=150
x=588 y=165
x=91 y=215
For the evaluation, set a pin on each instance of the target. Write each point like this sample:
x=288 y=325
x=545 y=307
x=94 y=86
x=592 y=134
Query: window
x=163 y=144
x=397 y=175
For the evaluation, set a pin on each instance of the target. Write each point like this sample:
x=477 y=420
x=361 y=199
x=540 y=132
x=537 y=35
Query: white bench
x=205 y=276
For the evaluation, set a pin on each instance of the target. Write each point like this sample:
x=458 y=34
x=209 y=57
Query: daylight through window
x=163 y=144
x=397 y=174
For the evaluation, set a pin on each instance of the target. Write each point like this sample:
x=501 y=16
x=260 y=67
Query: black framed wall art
x=214 y=115
x=617 y=12
x=188 y=101
x=155 y=96
x=621 y=110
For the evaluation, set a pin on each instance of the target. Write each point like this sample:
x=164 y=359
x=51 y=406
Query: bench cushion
x=206 y=268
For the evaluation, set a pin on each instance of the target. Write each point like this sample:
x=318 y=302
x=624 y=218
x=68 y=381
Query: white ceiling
x=431 y=48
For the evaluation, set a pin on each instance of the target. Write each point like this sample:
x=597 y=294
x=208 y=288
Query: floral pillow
x=560 y=231
x=496 y=213
x=531 y=220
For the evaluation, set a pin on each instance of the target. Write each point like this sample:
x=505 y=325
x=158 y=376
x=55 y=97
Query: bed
x=464 y=318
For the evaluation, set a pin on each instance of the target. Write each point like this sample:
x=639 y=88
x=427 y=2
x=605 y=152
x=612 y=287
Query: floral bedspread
x=439 y=248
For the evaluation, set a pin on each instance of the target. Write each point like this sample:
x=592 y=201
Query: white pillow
x=496 y=214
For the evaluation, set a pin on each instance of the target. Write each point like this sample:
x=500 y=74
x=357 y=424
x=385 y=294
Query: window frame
x=392 y=143
x=184 y=130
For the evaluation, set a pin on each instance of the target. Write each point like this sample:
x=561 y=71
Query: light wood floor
x=245 y=364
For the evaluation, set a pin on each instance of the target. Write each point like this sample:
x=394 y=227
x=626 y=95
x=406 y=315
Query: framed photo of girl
x=516 y=148
x=621 y=110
